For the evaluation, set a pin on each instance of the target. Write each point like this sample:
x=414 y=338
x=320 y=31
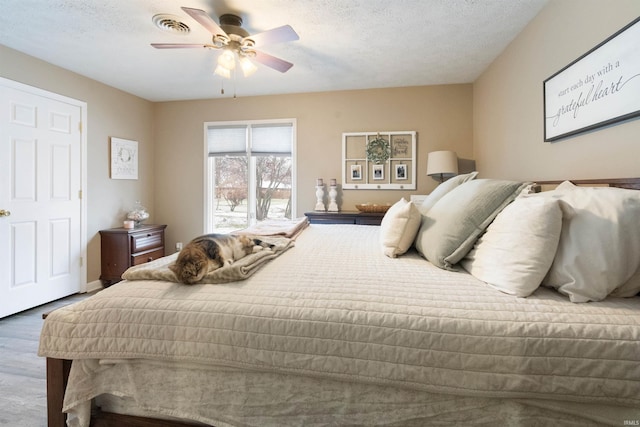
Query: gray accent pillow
x=443 y=189
x=451 y=227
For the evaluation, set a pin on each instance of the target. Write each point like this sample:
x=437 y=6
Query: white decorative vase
x=320 y=198
x=333 y=193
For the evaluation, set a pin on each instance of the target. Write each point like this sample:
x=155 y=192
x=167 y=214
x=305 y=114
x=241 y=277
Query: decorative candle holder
x=333 y=193
x=320 y=197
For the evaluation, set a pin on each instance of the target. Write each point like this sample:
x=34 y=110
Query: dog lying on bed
x=210 y=252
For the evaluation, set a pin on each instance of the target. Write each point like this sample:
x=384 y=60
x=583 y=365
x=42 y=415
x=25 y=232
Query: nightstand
x=345 y=217
x=122 y=248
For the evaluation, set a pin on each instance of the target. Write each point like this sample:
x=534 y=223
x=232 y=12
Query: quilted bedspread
x=334 y=306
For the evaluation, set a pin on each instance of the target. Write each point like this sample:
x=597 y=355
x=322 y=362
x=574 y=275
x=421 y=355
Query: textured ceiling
x=344 y=44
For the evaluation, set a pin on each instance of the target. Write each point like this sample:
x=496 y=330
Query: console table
x=345 y=217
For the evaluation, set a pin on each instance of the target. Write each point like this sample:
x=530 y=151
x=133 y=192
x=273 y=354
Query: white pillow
x=516 y=251
x=443 y=189
x=599 y=247
x=399 y=227
x=630 y=289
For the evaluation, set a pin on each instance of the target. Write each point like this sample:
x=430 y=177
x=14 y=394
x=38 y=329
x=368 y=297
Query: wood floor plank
x=23 y=385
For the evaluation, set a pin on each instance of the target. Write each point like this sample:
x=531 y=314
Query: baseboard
x=93 y=286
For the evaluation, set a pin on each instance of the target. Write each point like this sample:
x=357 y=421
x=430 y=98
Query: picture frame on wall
x=356 y=172
x=124 y=158
x=598 y=89
x=378 y=172
x=401 y=171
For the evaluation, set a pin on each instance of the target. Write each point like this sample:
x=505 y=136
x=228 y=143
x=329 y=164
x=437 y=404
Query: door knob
x=4 y=213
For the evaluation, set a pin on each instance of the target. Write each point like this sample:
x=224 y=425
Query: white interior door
x=40 y=198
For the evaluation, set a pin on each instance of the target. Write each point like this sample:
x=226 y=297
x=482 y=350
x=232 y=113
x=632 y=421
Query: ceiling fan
x=235 y=41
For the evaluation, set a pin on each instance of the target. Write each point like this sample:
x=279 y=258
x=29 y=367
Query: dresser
x=345 y=217
x=122 y=248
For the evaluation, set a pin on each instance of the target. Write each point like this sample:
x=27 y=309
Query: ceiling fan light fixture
x=220 y=41
x=223 y=72
x=248 y=67
x=227 y=59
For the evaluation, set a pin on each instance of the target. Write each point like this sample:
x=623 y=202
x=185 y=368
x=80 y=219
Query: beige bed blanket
x=239 y=270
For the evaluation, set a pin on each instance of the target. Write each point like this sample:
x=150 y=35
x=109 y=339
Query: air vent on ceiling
x=170 y=23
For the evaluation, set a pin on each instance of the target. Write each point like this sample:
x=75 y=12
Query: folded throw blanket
x=277 y=227
x=239 y=270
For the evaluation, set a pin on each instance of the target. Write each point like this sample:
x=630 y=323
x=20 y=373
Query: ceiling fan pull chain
x=235 y=79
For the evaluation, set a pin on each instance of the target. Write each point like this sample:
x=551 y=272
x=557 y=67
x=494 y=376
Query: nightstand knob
x=149 y=259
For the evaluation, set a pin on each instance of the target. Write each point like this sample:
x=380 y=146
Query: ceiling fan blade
x=206 y=21
x=273 y=62
x=180 y=45
x=275 y=35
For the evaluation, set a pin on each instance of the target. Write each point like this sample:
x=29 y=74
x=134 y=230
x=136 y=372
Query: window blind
x=227 y=140
x=266 y=139
x=271 y=138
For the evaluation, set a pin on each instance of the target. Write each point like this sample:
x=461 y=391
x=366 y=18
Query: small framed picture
x=401 y=171
x=124 y=159
x=378 y=172
x=356 y=172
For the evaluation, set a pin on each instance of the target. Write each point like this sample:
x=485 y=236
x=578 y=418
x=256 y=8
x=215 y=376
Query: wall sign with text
x=600 y=88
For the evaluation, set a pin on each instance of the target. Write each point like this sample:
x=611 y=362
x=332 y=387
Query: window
x=250 y=173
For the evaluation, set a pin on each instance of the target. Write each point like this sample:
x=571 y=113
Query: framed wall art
x=598 y=89
x=379 y=160
x=378 y=172
x=356 y=172
x=124 y=159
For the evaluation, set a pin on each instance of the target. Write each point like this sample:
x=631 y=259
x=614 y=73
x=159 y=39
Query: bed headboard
x=628 y=183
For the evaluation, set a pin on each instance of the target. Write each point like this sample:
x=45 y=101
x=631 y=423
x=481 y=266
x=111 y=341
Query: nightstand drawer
x=148 y=256
x=148 y=240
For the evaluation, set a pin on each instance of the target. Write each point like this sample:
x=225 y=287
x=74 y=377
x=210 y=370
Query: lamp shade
x=442 y=163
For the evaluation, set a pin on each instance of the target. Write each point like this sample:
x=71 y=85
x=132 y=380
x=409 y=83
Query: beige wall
x=507 y=101
x=441 y=115
x=110 y=112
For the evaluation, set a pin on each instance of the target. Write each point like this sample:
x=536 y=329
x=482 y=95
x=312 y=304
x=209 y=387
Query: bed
x=344 y=328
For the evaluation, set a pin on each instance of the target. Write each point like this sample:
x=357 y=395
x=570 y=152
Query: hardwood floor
x=22 y=373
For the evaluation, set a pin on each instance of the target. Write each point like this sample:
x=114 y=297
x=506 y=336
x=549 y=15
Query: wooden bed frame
x=628 y=183
x=58 y=369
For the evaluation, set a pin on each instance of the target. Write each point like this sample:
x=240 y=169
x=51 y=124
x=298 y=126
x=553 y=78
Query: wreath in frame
x=378 y=150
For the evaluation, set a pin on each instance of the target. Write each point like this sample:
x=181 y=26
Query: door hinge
x=80 y=126
x=79 y=194
x=81 y=261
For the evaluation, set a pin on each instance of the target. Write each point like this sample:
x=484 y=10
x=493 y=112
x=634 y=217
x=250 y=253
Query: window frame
x=208 y=176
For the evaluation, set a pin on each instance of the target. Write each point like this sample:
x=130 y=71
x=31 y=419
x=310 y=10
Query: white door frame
x=83 y=163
